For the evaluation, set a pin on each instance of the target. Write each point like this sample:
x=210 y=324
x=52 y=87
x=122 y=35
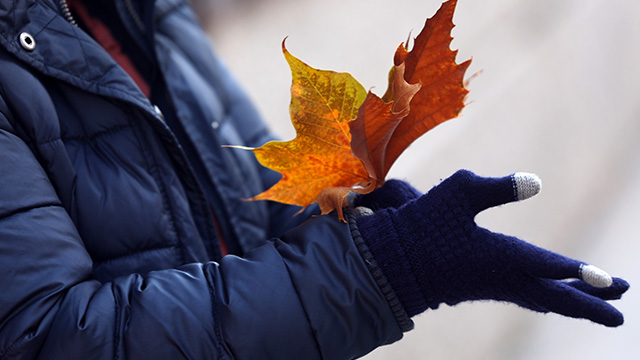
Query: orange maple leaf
x=431 y=63
x=319 y=157
x=377 y=121
x=347 y=140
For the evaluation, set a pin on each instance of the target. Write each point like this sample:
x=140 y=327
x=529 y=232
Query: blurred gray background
x=558 y=95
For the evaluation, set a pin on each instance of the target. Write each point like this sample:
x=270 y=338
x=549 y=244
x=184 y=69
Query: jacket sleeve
x=309 y=295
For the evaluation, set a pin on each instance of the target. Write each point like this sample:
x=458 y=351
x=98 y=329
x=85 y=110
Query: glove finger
x=613 y=292
x=543 y=263
x=486 y=192
x=558 y=297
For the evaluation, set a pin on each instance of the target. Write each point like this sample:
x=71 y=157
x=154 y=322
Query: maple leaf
x=431 y=63
x=377 y=121
x=348 y=139
x=322 y=104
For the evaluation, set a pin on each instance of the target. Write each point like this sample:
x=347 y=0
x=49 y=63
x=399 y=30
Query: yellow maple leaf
x=322 y=104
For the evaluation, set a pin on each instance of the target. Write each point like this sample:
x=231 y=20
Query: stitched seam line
x=116 y=338
x=27 y=209
x=302 y=305
x=152 y=169
x=87 y=137
x=168 y=10
x=214 y=314
x=15 y=343
x=104 y=261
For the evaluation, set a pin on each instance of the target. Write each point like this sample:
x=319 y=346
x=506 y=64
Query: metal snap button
x=215 y=125
x=27 y=41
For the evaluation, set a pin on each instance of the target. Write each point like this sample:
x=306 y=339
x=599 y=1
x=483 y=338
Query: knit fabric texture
x=394 y=193
x=432 y=252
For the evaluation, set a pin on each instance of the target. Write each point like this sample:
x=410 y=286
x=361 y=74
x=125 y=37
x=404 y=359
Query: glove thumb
x=486 y=192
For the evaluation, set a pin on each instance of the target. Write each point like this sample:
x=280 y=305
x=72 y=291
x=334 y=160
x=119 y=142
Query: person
x=117 y=204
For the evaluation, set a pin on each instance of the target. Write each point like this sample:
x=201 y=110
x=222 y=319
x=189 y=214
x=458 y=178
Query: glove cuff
x=404 y=321
x=379 y=233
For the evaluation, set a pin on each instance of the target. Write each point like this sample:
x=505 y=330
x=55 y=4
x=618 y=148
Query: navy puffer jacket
x=111 y=214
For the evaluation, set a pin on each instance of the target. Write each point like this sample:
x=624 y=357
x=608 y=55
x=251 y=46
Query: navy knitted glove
x=432 y=252
x=394 y=193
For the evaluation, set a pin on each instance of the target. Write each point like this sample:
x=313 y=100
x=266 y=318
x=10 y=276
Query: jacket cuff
x=404 y=321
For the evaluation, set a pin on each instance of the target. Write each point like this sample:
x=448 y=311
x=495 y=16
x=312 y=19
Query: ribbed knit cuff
x=379 y=233
x=404 y=321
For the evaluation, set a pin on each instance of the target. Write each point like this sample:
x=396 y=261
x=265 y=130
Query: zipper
x=134 y=15
x=66 y=12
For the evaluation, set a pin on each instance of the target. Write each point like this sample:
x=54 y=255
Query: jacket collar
x=64 y=51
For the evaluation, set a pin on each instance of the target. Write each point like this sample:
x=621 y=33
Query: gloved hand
x=432 y=252
x=393 y=193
